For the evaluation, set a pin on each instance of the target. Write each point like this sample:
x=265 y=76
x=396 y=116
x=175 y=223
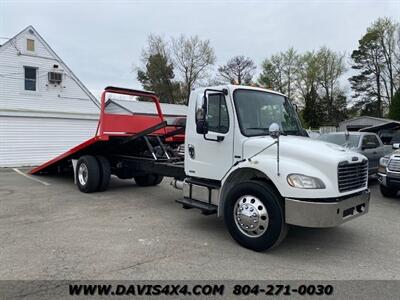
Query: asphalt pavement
x=50 y=230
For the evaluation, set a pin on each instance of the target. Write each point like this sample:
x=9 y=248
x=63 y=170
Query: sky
x=101 y=41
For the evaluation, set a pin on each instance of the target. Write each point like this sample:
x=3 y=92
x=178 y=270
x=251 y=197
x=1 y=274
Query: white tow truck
x=246 y=158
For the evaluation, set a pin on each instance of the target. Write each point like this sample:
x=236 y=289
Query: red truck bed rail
x=111 y=125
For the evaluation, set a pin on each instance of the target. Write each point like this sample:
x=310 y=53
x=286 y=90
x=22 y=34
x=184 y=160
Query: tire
x=270 y=228
x=148 y=180
x=158 y=180
x=388 y=191
x=88 y=174
x=105 y=173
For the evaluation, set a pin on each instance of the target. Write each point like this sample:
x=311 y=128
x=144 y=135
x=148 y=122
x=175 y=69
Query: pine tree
x=311 y=113
x=394 y=109
x=158 y=77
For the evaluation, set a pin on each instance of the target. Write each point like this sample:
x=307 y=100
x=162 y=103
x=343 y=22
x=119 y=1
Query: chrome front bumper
x=390 y=179
x=325 y=214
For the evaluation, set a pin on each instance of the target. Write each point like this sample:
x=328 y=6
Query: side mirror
x=274 y=130
x=202 y=127
x=396 y=146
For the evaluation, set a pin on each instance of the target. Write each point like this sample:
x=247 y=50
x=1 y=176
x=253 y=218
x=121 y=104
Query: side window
x=370 y=141
x=217 y=113
x=30 y=78
x=374 y=140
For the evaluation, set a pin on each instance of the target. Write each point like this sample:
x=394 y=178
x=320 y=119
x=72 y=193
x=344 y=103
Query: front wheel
x=254 y=216
x=388 y=191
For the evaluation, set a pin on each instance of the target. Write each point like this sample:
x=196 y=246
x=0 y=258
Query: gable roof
x=384 y=120
x=51 y=51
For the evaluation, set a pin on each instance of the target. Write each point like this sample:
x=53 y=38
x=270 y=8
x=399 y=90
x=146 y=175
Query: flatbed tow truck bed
x=133 y=144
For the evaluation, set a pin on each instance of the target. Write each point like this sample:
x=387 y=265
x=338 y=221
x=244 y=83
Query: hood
x=395 y=153
x=301 y=148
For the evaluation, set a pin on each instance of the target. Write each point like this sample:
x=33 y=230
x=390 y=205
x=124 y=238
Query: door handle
x=219 y=138
x=375 y=152
x=191 y=151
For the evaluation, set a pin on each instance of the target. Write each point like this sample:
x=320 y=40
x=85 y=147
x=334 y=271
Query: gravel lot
x=128 y=232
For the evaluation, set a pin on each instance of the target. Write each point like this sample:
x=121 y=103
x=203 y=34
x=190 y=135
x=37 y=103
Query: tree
x=377 y=61
x=192 y=57
x=290 y=65
x=156 y=45
x=312 y=80
x=158 y=77
x=306 y=82
x=279 y=71
x=331 y=68
x=307 y=75
x=238 y=70
x=338 y=111
x=386 y=30
x=271 y=76
x=312 y=112
x=394 y=109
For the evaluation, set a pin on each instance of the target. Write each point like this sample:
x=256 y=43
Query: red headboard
x=117 y=124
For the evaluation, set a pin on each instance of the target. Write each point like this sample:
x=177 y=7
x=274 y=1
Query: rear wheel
x=387 y=191
x=105 y=173
x=254 y=216
x=88 y=174
x=148 y=180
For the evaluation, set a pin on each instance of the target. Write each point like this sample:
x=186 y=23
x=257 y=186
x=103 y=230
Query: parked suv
x=389 y=173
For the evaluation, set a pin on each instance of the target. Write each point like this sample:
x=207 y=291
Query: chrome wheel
x=83 y=174
x=251 y=216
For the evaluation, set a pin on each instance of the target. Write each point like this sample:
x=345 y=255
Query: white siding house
x=44 y=108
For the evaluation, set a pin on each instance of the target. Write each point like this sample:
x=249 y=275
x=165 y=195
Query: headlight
x=384 y=161
x=305 y=182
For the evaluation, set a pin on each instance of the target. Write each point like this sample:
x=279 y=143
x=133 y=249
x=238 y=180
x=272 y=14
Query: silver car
x=366 y=143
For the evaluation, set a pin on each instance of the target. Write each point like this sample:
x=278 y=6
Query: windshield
x=257 y=110
x=340 y=139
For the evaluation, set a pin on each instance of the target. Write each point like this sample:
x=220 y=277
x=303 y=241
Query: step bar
x=206 y=208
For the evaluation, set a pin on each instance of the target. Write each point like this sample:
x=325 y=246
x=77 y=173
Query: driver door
x=211 y=155
x=370 y=145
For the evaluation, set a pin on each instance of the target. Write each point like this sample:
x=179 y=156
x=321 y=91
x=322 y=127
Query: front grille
x=394 y=165
x=352 y=176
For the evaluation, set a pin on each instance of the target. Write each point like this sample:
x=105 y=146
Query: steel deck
x=127 y=127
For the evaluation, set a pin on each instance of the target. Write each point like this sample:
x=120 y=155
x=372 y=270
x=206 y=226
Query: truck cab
x=248 y=158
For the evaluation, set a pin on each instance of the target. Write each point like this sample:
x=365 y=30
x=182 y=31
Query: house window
x=30 y=45
x=30 y=78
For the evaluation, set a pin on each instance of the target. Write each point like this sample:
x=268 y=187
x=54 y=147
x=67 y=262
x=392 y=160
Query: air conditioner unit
x=55 y=77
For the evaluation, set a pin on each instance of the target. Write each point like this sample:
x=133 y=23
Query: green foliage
x=312 y=113
x=238 y=70
x=394 y=109
x=377 y=63
x=310 y=79
x=158 y=77
x=338 y=111
x=279 y=72
x=192 y=58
